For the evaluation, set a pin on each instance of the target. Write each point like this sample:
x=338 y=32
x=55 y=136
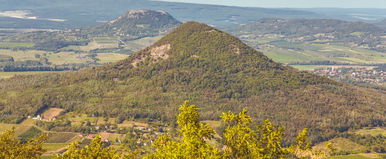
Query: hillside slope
x=211 y=69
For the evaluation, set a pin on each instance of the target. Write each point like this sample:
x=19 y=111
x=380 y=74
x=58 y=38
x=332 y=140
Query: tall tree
x=11 y=147
x=192 y=144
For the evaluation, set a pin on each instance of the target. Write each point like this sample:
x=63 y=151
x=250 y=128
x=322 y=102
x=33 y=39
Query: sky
x=294 y=3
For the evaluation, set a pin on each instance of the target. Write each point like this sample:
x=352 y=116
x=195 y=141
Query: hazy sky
x=295 y=3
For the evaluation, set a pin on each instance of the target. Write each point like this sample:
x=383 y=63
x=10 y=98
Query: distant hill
x=135 y=24
x=82 y=13
x=210 y=68
x=317 y=39
x=307 y=27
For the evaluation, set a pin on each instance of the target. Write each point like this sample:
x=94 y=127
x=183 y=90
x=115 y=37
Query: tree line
x=240 y=139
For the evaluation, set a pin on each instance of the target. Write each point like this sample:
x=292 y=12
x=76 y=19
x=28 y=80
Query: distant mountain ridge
x=210 y=68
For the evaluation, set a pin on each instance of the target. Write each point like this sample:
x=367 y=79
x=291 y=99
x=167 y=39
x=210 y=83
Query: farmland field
x=286 y=52
x=61 y=137
x=312 y=67
x=22 y=55
x=372 y=131
x=14 y=44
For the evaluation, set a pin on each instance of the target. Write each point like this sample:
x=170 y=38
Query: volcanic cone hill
x=210 y=68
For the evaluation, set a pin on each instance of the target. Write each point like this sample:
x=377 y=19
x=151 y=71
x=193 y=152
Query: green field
x=286 y=52
x=139 y=44
x=69 y=58
x=22 y=55
x=15 y=44
x=64 y=57
x=312 y=67
x=61 y=137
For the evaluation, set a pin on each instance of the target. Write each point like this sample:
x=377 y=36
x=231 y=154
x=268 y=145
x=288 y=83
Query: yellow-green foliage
x=11 y=147
x=95 y=150
x=243 y=142
x=210 y=68
x=194 y=135
x=240 y=140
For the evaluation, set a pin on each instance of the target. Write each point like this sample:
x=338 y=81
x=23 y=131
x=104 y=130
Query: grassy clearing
x=374 y=131
x=15 y=44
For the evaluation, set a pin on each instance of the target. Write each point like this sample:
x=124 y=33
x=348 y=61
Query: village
x=355 y=75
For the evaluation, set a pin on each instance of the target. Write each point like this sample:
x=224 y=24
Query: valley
x=239 y=83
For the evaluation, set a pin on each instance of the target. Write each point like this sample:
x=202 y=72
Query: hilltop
x=210 y=68
x=135 y=24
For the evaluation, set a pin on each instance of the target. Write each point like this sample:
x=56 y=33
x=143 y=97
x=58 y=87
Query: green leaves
x=95 y=150
x=11 y=147
x=194 y=137
x=240 y=140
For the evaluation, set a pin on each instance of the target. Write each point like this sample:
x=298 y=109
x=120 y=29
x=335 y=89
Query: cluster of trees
x=241 y=139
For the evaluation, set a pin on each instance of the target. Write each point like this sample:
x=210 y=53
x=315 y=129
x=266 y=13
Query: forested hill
x=208 y=67
x=135 y=24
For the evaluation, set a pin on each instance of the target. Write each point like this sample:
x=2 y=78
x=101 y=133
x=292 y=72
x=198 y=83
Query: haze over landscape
x=193 y=79
x=292 y=3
